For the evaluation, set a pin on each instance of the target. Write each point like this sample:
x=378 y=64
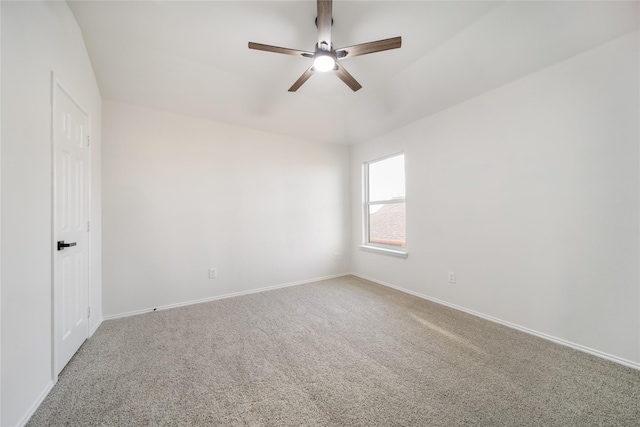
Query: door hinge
x=88 y=312
x=88 y=140
x=88 y=226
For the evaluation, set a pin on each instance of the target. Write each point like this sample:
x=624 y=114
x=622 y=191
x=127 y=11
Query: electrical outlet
x=452 y=277
x=213 y=273
x=335 y=256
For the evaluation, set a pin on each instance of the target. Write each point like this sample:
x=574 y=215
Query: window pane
x=386 y=179
x=387 y=224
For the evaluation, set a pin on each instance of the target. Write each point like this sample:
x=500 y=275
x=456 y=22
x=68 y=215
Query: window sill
x=392 y=252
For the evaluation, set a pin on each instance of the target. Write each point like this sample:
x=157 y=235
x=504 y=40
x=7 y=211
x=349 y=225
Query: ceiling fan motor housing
x=317 y=22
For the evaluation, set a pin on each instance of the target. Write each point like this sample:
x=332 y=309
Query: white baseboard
x=23 y=422
x=95 y=328
x=556 y=340
x=218 y=297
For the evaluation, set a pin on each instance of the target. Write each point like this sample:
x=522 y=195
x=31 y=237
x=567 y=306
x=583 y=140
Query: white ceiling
x=192 y=57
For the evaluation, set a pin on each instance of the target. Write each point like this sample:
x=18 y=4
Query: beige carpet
x=342 y=352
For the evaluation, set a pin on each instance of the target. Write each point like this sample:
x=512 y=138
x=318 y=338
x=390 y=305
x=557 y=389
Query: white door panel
x=71 y=272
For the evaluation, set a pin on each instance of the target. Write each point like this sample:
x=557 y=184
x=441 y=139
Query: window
x=384 y=206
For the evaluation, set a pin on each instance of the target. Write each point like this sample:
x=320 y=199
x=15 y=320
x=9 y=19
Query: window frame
x=367 y=245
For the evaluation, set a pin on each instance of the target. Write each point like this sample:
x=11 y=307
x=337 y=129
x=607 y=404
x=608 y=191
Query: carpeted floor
x=341 y=352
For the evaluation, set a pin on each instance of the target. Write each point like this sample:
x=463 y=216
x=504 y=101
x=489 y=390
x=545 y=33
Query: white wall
x=530 y=194
x=37 y=38
x=182 y=195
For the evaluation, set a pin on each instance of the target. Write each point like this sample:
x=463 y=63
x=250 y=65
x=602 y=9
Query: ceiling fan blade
x=347 y=78
x=324 y=24
x=283 y=50
x=371 y=47
x=303 y=78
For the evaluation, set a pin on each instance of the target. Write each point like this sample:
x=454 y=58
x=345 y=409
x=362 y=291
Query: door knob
x=62 y=244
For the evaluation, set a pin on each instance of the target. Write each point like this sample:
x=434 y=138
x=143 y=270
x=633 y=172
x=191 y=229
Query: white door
x=71 y=237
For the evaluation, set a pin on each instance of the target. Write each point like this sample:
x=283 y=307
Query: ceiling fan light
x=324 y=63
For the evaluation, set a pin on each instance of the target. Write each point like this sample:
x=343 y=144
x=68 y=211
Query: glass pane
x=386 y=179
x=387 y=224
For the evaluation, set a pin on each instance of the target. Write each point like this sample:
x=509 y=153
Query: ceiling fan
x=326 y=58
